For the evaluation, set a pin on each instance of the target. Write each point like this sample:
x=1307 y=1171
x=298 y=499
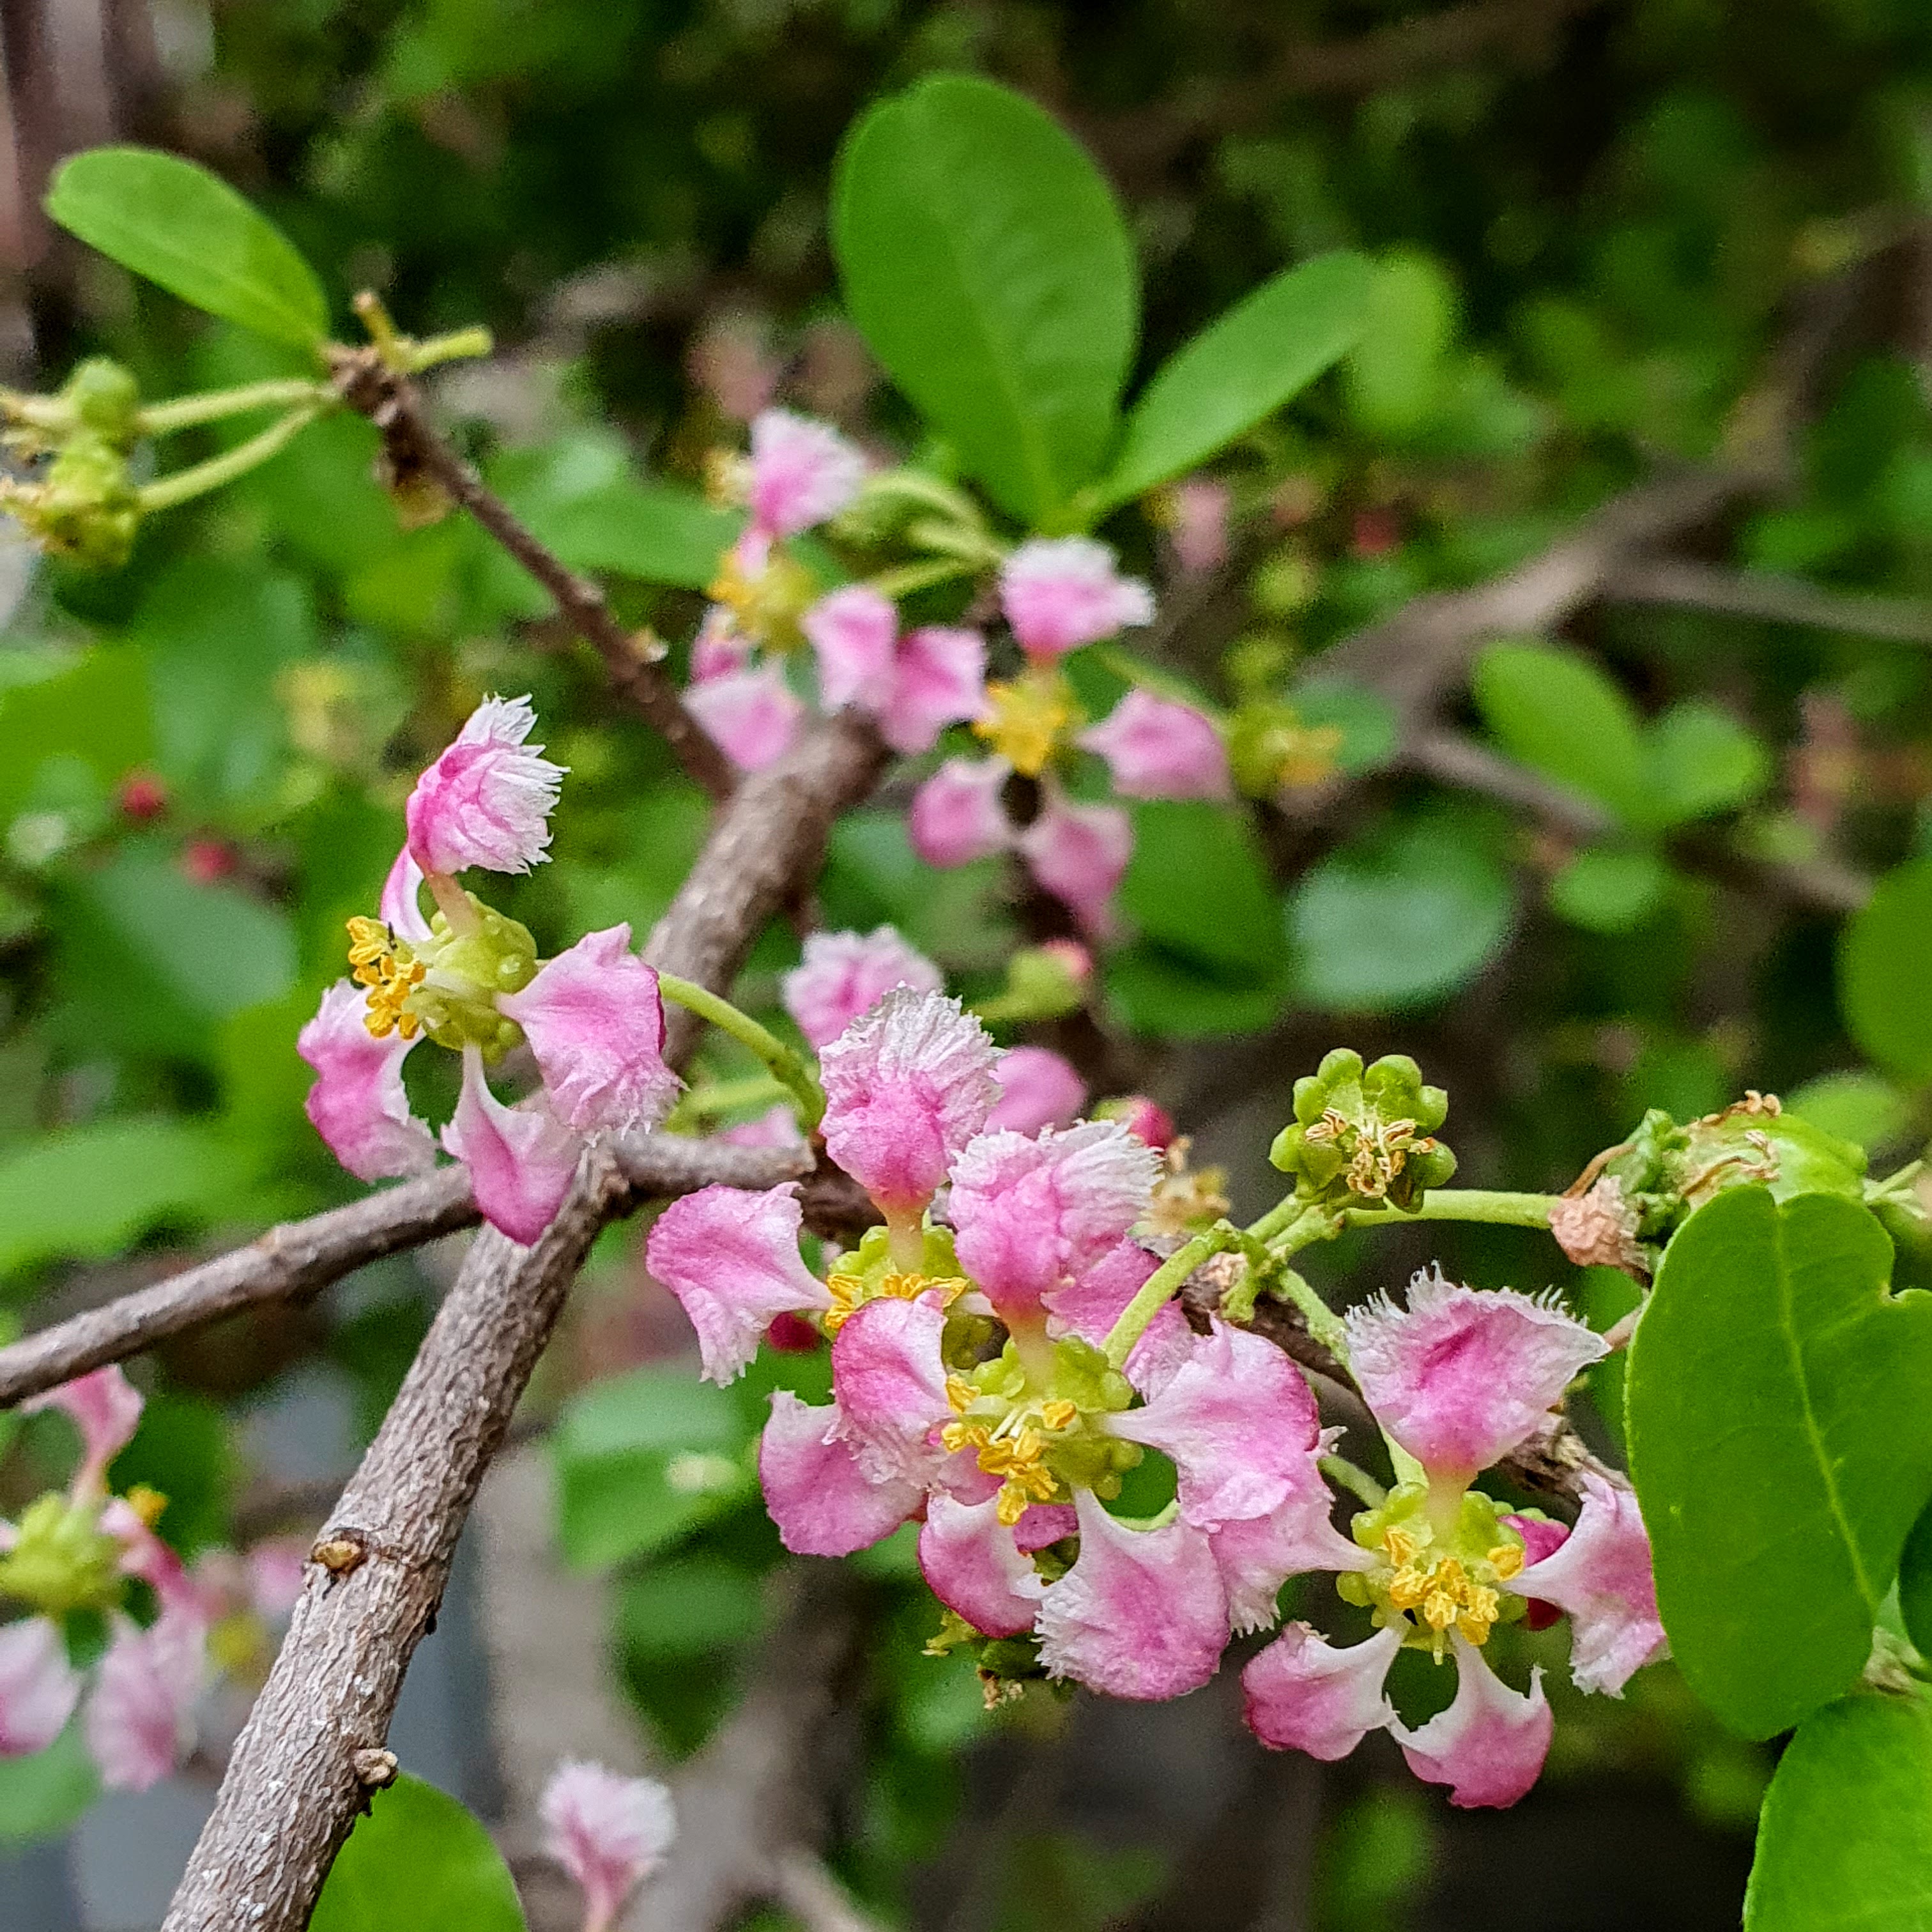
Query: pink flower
x=1038 y=1088
x=1061 y=592
x=1033 y=1214
x=889 y=1384
x=595 y=1022
x=610 y=1833
x=357 y=1103
x=803 y=472
x=730 y=1256
x=823 y=1503
x=521 y=1159
x=906 y=1085
x=843 y=975
x=1156 y=749
x=1199 y=507
x=1089 y=1305
x=1461 y=1376
x=486 y=801
x=401 y=906
x=719 y=648
x=1303 y=1693
x=38 y=1688
x=753 y=716
x=915 y=685
x=1141 y=1615
x=974 y=1565
x=1143 y=1118
x=1078 y=853
x=1257 y=1555
x=1601 y=1575
x=276 y=1569
x=854 y=635
x=1489 y=1746
x=106 y=1407
x=956 y=815
x=138 y=1717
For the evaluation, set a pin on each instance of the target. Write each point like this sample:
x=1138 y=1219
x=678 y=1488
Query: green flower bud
x=1365 y=1135
x=61 y=1560
x=106 y=401
x=1269 y=747
x=83 y=507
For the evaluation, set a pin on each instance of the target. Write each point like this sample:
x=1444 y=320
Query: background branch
x=1691 y=585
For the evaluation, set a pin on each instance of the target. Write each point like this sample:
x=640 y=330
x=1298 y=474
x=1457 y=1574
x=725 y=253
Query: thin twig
x=1763 y=595
x=1454 y=759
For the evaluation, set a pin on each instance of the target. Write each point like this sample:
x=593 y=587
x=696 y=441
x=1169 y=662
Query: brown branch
x=1772 y=598
x=1454 y=759
x=291 y=1793
x=412 y=449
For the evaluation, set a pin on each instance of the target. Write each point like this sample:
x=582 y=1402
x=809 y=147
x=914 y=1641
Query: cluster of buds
x=1361 y=1137
x=81 y=501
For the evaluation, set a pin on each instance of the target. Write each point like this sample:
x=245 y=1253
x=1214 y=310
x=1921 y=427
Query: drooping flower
x=802 y=472
x=842 y=975
x=1061 y=592
x=608 y=1832
x=752 y=714
x=1038 y=1088
x=1155 y=748
x=486 y=801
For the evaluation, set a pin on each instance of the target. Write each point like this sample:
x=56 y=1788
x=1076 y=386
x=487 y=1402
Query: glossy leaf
x=1883 y=953
x=179 y=225
x=1242 y=367
x=1703 y=761
x=419 y=1859
x=1781 y=1447
x=986 y=263
x=1844 y=1841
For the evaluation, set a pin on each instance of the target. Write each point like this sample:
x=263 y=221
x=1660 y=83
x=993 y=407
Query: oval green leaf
x=1781 y=1447
x=419 y=1859
x=187 y=230
x=1882 y=955
x=985 y=261
x=1557 y=711
x=1844 y=1840
x=1241 y=368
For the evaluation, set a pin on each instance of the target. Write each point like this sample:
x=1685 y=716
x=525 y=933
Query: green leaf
x=1703 y=761
x=985 y=261
x=419 y=1859
x=1240 y=368
x=1606 y=889
x=42 y=1794
x=1399 y=920
x=1844 y=1842
x=646 y=530
x=1779 y=1444
x=1394 y=373
x=1197 y=884
x=1856 y=1105
x=1557 y=711
x=1153 y=992
x=1882 y=957
x=93 y=709
x=179 y=225
x=1915 y=1583
x=689 y=1606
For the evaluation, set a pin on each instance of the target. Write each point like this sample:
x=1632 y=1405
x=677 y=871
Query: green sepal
x=1342 y=1108
x=458 y=1004
x=61 y=1560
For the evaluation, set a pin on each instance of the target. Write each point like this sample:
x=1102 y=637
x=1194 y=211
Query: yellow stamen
x=850 y=1292
x=146 y=1502
x=1030 y=717
x=389 y=971
x=1506 y=1560
x=1057 y=1415
x=960 y=1395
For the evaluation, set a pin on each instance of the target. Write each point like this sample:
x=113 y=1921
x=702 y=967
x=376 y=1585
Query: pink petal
x=1038 y=1088
x=1489 y=1746
x=1143 y=1118
x=803 y=472
x=1044 y=1524
x=357 y=1103
x=277 y=1570
x=854 y=633
x=1302 y=1693
x=719 y=648
x=594 y=1021
x=1078 y=853
x=752 y=716
x=1061 y=592
x=608 y=1832
x=137 y=1721
x=844 y=974
x=1091 y=1304
x=1141 y=1614
x=1601 y=1575
x=777 y=1126
x=730 y=1256
x=1034 y=1214
x=1463 y=1375
x=38 y=1688
x=1156 y=749
x=906 y=1085
x=1258 y=1554
x=521 y=1159
x=974 y=1565
x=939 y=678
x=1541 y=1537
x=488 y=800
x=106 y=1407
x=1240 y=1425
x=401 y=908
x=1198 y=531
x=957 y=815
x=143 y=1555
x=889 y=1384
x=823 y=1503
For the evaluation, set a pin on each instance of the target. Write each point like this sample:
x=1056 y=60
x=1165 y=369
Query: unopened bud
x=142 y=797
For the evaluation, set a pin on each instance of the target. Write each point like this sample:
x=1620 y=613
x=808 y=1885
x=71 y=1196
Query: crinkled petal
x=486 y=801
x=1601 y=1575
x=1034 y=1212
x=521 y=1159
x=1258 y=1554
x=1089 y=1305
x=1156 y=749
x=1061 y=592
x=594 y=1021
x=106 y=1407
x=823 y=1503
x=138 y=1723
x=1038 y=1088
x=608 y=1831
x=906 y=1085
x=854 y=635
x=401 y=906
x=1239 y=1424
x=958 y=816
x=1489 y=1746
x=730 y=1256
x=939 y=678
x=803 y=472
x=844 y=974
x=1078 y=853
x=975 y=1568
x=38 y=1687
x=889 y=1381
x=357 y=1103
x=1141 y=1613
x=753 y=716
x=1304 y=1693
x=1462 y=1375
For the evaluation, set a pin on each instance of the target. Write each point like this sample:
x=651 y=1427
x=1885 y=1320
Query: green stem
x=158 y=418
x=788 y=1066
x=200 y=477
x=910 y=576
x=1158 y=1286
x=1324 y=1324
x=707 y=1103
x=1461 y=1204
x=1357 y=1482
x=459 y=345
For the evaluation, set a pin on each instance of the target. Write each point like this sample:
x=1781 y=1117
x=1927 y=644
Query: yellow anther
x=1408 y=1588
x=960 y=1395
x=1506 y=1560
x=848 y=1291
x=369 y=941
x=146 y=1502
x=1031 y=716
x=1057 y=1415
x=1401 y=1547
x=390 y=973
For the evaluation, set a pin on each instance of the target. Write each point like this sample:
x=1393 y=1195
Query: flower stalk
x=788 y=1066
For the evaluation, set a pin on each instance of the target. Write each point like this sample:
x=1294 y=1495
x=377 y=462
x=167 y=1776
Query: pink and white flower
x=1061 y=592
x=1489 y=1746
x=957 y=815
x=608 y=1832
x=842 y=975
x=1078 y=853
x=802 y=472
x=1038 y=1088
x=486 y=801
x=357 y=1103
x=138 y=1721
x=914 y=685
x=1155 y=748
x=753 y=716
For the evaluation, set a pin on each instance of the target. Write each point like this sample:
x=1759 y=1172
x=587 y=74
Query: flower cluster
x=591 y=1020
x=76 y=1552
